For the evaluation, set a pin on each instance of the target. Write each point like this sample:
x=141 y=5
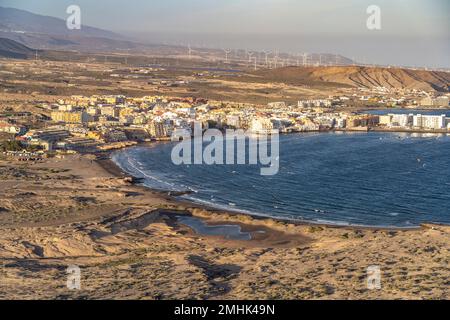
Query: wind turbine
x=305 y=59
x=250 y=55
x=227 y=51
x=189 y=51
x=276 y=58
x=126 y=56
x=267 y=53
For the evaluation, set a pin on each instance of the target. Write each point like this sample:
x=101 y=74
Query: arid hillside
x=357 y=76
x=13 y=49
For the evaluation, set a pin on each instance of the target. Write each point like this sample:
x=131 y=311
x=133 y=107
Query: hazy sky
x=413 y=32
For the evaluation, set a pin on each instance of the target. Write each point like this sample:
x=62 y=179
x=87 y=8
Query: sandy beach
x=128 y=242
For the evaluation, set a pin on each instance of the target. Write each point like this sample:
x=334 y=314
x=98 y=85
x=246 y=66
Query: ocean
x=367 y=179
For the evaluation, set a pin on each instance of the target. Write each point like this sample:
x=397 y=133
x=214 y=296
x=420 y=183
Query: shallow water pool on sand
x=232 y=232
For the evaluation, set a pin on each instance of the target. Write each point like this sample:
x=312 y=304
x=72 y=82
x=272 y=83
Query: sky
x=413 y=32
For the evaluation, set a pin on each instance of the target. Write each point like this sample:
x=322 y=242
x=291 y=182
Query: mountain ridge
x=13 y=49
x=16 y=20
x=51 y=33
x=362 y=76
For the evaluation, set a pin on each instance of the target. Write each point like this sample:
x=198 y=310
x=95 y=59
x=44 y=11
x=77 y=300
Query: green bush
x=11 y=145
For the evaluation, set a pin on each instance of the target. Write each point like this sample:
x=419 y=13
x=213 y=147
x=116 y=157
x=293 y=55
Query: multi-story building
x=126 y=119
x=70 y=117
x=429 y=121
x=314 y=103
x=233 y=121
x=110 y=111
x=96 y=135
x=386 y=119
x=140 y=119
x=49 y=134
x=401 y=120
x=441 y=101
x=46 y=137
x=157 y=129
x=261 y=125
x=115 y=136
x=65 y=107
x=276 y=105
x=77 y=143
x=340 y=123
x=114 y=99
x=93 y=111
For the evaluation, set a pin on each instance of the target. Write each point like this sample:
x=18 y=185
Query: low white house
x=10 y=128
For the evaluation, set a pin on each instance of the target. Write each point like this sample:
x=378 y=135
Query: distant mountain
x=361 y=76
x=44 y=32
x=12 y=49
x=20 y=21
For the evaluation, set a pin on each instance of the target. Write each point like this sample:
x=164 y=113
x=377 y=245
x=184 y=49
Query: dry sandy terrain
x=128 y=244
x=357 y=76
x=26 y=81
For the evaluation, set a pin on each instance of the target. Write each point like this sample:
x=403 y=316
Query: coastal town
x=95 y=123
x=341 y=195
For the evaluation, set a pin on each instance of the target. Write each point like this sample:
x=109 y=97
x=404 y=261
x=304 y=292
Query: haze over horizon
x=413 y=33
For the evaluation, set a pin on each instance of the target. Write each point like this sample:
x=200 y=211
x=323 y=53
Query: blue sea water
x=371 y=179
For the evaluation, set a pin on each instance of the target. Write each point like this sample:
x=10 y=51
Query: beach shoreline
x=112 y=167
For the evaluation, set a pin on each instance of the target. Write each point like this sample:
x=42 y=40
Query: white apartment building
x=66 y=107
x=429 y=122
x=441 y=101
x=93 y=111
x=276 y=105
x=340 y=123
x=401 y=120
x=111 y=111
x=261 y=125
x=314 y=103
x=234 y=121
x=9 y=128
